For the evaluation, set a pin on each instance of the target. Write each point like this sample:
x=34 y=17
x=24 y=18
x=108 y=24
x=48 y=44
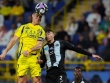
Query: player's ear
x=53 y=34
x=32 y=15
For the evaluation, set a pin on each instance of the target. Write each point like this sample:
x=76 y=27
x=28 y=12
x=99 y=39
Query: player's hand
x=2 y=56
x=97 y=57
x=25 y=53
x=40 y=61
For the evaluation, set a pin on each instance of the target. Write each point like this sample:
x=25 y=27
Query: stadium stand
x=85 y=23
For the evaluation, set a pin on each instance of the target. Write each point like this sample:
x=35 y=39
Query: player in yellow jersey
x=31 y=38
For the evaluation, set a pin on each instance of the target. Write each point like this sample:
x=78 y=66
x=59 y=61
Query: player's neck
x=34 y=23
x=51 y=41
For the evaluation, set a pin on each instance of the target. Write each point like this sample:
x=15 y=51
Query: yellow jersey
x=29 y=34
x=5 y=10
x=17 y=10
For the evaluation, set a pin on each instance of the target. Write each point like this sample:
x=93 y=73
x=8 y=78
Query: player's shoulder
x=20 y=28
x=24 y=25
x=40 y=27
x=62 y=41
x=27 y=25
x=45 y=45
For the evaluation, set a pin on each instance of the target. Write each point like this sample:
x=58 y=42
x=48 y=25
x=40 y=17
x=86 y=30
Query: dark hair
x=48 y=30
x=78 y=68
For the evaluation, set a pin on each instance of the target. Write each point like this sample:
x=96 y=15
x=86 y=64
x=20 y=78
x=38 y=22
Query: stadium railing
x=64 y=9
x=57 y=13
x=5 y=67
x=87 y=66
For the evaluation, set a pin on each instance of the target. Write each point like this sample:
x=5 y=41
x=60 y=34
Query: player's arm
x=79 y=50
x=37 y=47
x=12 y=42
x=9 y=46
x=40 y=41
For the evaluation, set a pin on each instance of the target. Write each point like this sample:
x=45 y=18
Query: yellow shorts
x=33 y=68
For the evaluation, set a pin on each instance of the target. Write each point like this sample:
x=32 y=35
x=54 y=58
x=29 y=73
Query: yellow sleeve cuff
x=29 y=50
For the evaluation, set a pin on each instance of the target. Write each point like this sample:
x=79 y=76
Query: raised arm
x=79 y=50
x=17 y=34
x=9 y=46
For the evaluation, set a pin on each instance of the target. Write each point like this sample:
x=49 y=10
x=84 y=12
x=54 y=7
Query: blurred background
x=84 y=23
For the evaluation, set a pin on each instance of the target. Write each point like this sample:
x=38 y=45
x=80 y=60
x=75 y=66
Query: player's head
x=17 y=3
x=77 y=72
x=49 y=35
x=36 y=18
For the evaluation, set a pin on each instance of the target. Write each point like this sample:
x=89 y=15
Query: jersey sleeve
x=19 y=31
x=41 y=35
x=74 y=48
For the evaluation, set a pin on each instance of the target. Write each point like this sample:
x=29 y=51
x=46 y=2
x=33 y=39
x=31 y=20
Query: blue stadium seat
x=104 y=75
x=70 y=75
x=50 y=7
x=48 y=17
x=8 y=24
x=88 y=75
x=86 y=14
x=49 y=14
x=75 y=39
x=1 y=48
x=100 y=48
x=26 y=15
x=107 y=66
x=59 y=5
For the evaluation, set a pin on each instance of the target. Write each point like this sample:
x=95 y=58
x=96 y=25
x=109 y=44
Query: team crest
x=46 y=48
x=57 y=45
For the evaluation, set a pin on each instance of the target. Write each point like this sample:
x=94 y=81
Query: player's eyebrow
x=38 y=15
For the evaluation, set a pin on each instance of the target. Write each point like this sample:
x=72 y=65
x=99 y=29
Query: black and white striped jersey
x=54 y=54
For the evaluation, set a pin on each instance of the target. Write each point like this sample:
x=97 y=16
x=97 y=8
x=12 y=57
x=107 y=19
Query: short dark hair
x=48 y=30
x=78 y=68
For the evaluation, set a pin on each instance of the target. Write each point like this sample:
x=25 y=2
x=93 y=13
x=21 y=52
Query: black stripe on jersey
x=20 y=51
x=52 y=54
x=21 y=44
x=22 y=30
